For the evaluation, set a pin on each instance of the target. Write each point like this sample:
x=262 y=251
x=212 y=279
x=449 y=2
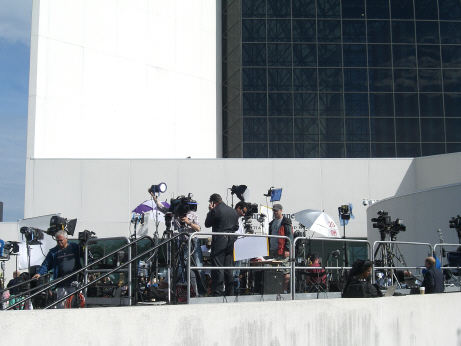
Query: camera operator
x=222 y=219
x=64 y=259
x=186 y=220
x=241 y=209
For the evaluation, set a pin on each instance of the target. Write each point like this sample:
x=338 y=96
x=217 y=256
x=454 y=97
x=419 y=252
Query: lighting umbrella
x=318 y=221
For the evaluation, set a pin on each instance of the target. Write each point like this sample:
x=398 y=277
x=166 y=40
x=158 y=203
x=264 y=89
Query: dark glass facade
x=341 y=78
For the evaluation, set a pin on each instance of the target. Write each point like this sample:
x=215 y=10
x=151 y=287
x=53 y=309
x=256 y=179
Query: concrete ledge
x=407 y=320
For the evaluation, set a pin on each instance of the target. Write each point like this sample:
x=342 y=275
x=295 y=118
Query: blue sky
x=15 y=21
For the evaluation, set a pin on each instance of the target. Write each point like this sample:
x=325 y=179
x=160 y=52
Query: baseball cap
x=277 y=207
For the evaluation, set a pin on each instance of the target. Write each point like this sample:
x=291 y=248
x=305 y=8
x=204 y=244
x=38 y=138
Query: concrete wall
x=409 y=320
x=101 y=193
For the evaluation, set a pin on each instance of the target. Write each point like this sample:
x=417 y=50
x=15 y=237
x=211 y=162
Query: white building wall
x=124 y=79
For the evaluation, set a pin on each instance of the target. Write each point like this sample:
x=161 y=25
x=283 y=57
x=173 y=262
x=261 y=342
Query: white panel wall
x=124 y=79
x=101 y=193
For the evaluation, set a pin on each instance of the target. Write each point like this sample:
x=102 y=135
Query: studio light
x=160 y=188
x=241 y=191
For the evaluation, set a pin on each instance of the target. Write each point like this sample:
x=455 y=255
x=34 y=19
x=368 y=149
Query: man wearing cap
x=279 y=248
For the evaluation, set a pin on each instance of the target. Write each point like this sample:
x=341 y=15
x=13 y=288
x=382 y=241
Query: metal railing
x=195 y=234
x=295 y=268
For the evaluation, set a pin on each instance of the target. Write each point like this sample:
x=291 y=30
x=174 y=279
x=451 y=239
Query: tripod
x=388 y=255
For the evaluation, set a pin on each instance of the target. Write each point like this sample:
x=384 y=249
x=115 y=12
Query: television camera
x=7 y=248
x=455 y=222
x=32 y=234
x=252 y=209
x=182 y=205
x=387 y=227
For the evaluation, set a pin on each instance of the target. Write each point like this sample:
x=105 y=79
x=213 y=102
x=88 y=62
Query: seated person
x=316 y=276
x=359 y=284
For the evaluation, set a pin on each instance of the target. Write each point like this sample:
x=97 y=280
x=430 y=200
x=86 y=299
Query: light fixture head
x=160 y=188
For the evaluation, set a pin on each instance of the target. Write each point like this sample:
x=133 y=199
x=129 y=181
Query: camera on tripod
x=252 y=209
x=386 y=226
x=31 y=233
x=7 y=248
x=455 y=222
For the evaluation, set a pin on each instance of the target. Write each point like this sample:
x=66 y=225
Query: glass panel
x=280 y=105
x=330 y=105
x=279 y=30
x=405 y=80
x=382 y=150
x=329 y=30
x=453 y=132
x=408 y=150
x=357 y=150
x=427 y=32
x=377 y=9
x=332 y=150
x=432 y=130
x=378 y=31
x=305 y=105
x=355 y=79
x=433 y=148
x=279 y=54
x=453 y=147
x=253 y=30
x=253 y=8
x=280 y=129
x=279 y=79
x=382 y=130
x=331 y=129
x=305 y=55
x=450 y=32
x=402 y=9
x=356 y=105
x=353 y=8
x=379 y=55
x=450 y=9
x=451 y=56
x=329 y=55
x=282 y=150
x=404 y=55
x=426 y=9
x=305 y=79
x=452 y=105
x=429 y=80
x=306 y=130
x=254 y=79
x=306 y=150
x=278 y=8
x=254 y=104
x=406 y=105
x=407 y=129
x=403 y=31
x=255 y=150
x=430 y=105
x=304 y=30
x=304 y=9
x=255 y=129
x=354 y=31
x=354 y=55
x=253 y=54
x=330 y=79
x=328 y=9
x=428 y=56
x=357 y=130
x=452 y=80
x=381 y=105
x=380 y=80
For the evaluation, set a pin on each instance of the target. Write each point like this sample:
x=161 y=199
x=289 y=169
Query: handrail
x=57 y=281
x=195 y=234
x=342 y=240
x=22 y=284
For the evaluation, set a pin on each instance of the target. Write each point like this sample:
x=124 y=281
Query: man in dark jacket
x=433 y=278
x=279 y=248
x=222 y=219
x=64 y=259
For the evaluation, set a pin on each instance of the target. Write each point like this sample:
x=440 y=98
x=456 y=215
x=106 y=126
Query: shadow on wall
x=408 y=183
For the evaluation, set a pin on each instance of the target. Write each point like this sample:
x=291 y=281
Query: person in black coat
x=222 y=219
x=359 y=282
x=433 y=278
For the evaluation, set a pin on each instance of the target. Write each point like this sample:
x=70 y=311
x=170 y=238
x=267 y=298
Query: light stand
x=345 y=215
